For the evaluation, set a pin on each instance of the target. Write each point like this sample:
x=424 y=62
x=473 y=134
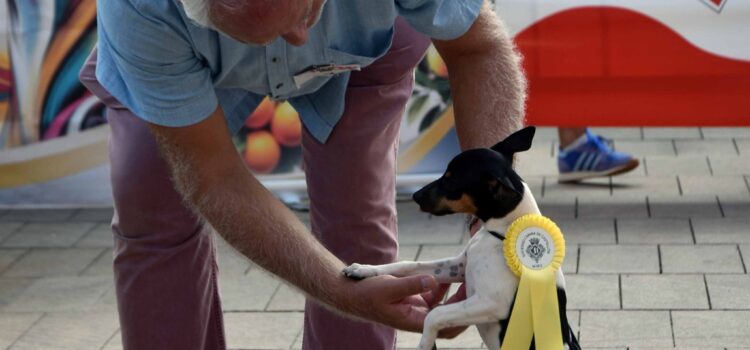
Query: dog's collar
x=497 y=235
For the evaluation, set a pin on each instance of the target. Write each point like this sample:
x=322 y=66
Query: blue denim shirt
x=169 y=71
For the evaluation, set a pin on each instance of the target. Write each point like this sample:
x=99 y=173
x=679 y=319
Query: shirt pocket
x=339 y=57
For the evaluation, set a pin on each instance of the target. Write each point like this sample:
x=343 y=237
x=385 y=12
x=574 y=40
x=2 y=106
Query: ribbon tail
x=520 y=326
x=545 y=311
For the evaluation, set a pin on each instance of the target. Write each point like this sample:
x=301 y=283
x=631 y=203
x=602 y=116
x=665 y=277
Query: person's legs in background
x=351 y=183
x=584 y=155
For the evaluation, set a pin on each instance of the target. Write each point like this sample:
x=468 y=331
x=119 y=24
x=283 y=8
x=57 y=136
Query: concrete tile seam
x=33 y=324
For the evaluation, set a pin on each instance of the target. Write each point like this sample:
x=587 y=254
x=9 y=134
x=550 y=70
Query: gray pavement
x=657 y=259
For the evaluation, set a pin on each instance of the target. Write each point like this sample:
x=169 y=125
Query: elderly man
x=179 y=77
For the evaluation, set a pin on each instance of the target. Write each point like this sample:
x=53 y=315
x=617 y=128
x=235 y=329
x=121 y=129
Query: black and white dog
x=481 y=182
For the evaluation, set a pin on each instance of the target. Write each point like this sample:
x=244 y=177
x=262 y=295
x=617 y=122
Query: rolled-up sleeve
x=147 y=62
x=440 y=19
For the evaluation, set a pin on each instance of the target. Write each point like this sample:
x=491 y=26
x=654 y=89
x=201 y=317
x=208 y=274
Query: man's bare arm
x=209 y=173
x=486 y=81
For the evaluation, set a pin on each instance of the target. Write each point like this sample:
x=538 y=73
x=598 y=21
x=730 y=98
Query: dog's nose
x=417 y=196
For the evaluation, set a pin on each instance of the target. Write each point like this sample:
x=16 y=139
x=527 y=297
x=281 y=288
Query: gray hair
x=199 y=11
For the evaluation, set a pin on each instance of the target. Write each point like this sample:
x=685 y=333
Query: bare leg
x=568 y=135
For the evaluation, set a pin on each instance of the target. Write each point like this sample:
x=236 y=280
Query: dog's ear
x=502 y=186
x=518 y=141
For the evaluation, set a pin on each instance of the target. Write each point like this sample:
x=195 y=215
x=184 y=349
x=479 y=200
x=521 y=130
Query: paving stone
x=53 y=262
x=58 y=294
x=37 y=215
x=743 y=145
x=711 y=328
x=69 y=331
x=9 y=256
x=469 y=339
x=593 y=231
x=722 y=132
x=713 y=185
x=415 y=227
x=408 y=252
x=729 y=291
x=570 y=263
x=545 y=133
x=557 y=208
x=673 y=166
x=536 y=184
x=102 y=266
x=596 y=188
x=93 y=215
x=7 y=228
x=625 y=328
x=705 y=147
x=664 y=292
x=108 y=301
x=677 y=348
x=618 y=133
x=672 y=133
x=251 y=292
x=725 y=230
x=612 y=207
x=286 y=298
x=687 y=206
x=641 y=186
x=527 y=165
x=618 y=259
x=59 y=234
x=11 y=288
x=592 y=292
x=726 y=165
x=735 y=205
x=701 y=259
x=263 y=330
x=13 y=325
x=99 y=237
x=745 y=251
x=574 y=320
x=646 y=148
x=654 y=231
x=231 y=262
x=114 y=343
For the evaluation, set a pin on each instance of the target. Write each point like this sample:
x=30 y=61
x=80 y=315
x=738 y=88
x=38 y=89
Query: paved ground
x=656 y=259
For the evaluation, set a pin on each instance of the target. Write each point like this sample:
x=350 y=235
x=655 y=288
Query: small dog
x=481 y=182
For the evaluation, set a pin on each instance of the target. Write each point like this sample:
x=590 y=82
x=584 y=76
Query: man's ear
x=518 y=141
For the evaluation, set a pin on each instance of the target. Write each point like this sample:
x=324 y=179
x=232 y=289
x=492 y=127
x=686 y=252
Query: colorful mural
x=43 y=45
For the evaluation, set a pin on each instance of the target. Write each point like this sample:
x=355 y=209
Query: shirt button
x=275 y=60
x=279 y=86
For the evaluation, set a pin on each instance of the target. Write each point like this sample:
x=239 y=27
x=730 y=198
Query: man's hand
x=392 y=301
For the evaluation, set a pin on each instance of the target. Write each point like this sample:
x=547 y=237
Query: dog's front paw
x=358 y=272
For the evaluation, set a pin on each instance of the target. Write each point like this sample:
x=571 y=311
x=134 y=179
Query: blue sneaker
x=594 y=158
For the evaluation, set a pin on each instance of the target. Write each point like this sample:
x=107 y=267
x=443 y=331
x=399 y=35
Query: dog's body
x=490 y=285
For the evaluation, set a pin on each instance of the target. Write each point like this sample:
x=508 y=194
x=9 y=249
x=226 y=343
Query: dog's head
x=479 y=181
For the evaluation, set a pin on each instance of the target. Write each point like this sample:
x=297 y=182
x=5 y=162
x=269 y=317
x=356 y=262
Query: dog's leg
x=471 y=311
x=445 y=270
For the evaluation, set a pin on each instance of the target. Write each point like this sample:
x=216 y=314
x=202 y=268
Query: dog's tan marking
x=462 y=205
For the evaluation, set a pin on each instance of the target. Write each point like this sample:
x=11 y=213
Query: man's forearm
x=487 y=84
x=258 y=225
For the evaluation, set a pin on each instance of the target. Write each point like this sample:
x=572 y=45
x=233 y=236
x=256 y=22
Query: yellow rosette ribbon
x=534 y=249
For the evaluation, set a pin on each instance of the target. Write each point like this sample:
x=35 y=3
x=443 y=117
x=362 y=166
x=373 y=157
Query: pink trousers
x=165 y=261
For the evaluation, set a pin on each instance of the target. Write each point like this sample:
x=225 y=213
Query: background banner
x=589 y=62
